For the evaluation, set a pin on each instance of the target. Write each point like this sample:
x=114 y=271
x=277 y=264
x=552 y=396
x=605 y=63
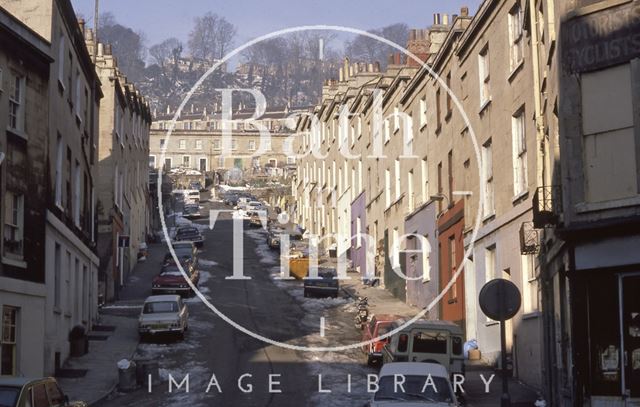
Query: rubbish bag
x=468 y=345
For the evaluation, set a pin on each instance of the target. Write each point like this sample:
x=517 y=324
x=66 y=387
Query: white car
x=414 y=384
x=163 y=314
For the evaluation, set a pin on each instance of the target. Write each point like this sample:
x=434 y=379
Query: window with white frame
x=13 y=225
x=396 y=119
x=358 y=232
x=59 y=161
x=395 y=249
x=116 y=185
x=291 y=160
x=487 y=170
x=516 y=18
x=490 y=263
x=183 y=144
x=423 y=111
x=252 y=145
x=410 y=200
x=221 y=161
x=216 y=144
x=198 y=144
x=9 y=342
x=529 y=283
x=77 y=102
x=397 y=178
x=483 y=73
x=61 y=58
x=234 y=144
x=426 y=251
x=16 y=102
x=161 y=142
x=424 y=173
x=387 y=131
x=76 y=194
x=387 y=188
x=186 y=161
x=519 y=146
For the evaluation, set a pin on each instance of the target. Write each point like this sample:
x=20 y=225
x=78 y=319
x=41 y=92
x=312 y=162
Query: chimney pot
x=107 y=49
x=445 y=19
x=100 y=49
x=376 y=66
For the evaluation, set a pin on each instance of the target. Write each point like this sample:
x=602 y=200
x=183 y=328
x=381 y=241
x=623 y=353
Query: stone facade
x=463 y=161
x=71 y=270
x=24 y=84
x=197 y=142
x=123 y=190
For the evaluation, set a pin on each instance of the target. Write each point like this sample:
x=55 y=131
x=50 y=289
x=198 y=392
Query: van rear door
x=429 y=346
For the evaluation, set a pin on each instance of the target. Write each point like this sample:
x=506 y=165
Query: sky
x=161 y=19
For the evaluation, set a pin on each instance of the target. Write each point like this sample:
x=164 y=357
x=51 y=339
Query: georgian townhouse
x=71 y=269
x=24 y=88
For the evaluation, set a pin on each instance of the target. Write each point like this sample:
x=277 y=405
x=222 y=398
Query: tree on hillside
x=211 y=37
x=168 y=50
x=127 y=45
x=367 y=49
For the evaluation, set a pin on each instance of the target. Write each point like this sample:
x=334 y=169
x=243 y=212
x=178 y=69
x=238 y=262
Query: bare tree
x=211 y=36
x=367 y=49
x=165 y=51
x=226 y=33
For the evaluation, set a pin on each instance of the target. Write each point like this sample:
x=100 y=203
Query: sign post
x=500 y=300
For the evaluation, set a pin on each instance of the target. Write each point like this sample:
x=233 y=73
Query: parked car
x=327 y=285
x=429 y=341
x=23 y=392
x=185 y=252
x=273 y=240
x=255 y=206
x=192 y=196
x=163 y=314
x=171 y=281
x=191 y=211
x=378 y=325
x=190 y=234
x=424 y=384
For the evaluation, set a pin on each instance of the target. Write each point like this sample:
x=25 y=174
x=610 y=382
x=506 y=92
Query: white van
x=426 y=341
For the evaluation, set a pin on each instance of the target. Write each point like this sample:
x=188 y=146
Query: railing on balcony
x=529 y=238
x=547 y=206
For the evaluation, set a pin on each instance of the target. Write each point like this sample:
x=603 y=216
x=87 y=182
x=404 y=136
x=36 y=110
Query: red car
x=377 y=326
x=171 y=281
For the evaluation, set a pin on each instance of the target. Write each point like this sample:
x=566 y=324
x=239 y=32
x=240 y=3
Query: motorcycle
x=362 y=316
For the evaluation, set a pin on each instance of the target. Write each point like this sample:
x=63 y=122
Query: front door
x=630 y=335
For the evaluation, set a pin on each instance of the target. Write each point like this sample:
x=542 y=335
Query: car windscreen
x=160 y=307
x=415 y=388
x=429 y=342
x=182 y=251
x=8 y=396
x=171 y=272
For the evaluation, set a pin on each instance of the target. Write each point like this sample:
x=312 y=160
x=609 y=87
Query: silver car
x=21 y=391
x=163 y=314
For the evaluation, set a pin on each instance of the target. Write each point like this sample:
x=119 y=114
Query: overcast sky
x=161 y=19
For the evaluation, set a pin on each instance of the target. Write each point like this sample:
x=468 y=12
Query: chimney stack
x=345 y=72
x=100 y=49
x=445 y=19
x=340 y=75
x=464 y=11
x=107 y=49
x=436 y=19
x=376 y=66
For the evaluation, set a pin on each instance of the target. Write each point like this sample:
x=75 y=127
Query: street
x=276 y=311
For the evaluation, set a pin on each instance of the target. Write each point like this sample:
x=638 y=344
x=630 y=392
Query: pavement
x=101 y=376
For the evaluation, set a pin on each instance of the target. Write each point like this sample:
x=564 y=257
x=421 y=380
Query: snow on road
x=336 y=368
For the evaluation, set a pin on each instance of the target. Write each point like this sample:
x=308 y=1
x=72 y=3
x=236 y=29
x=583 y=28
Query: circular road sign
x=500 y=299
